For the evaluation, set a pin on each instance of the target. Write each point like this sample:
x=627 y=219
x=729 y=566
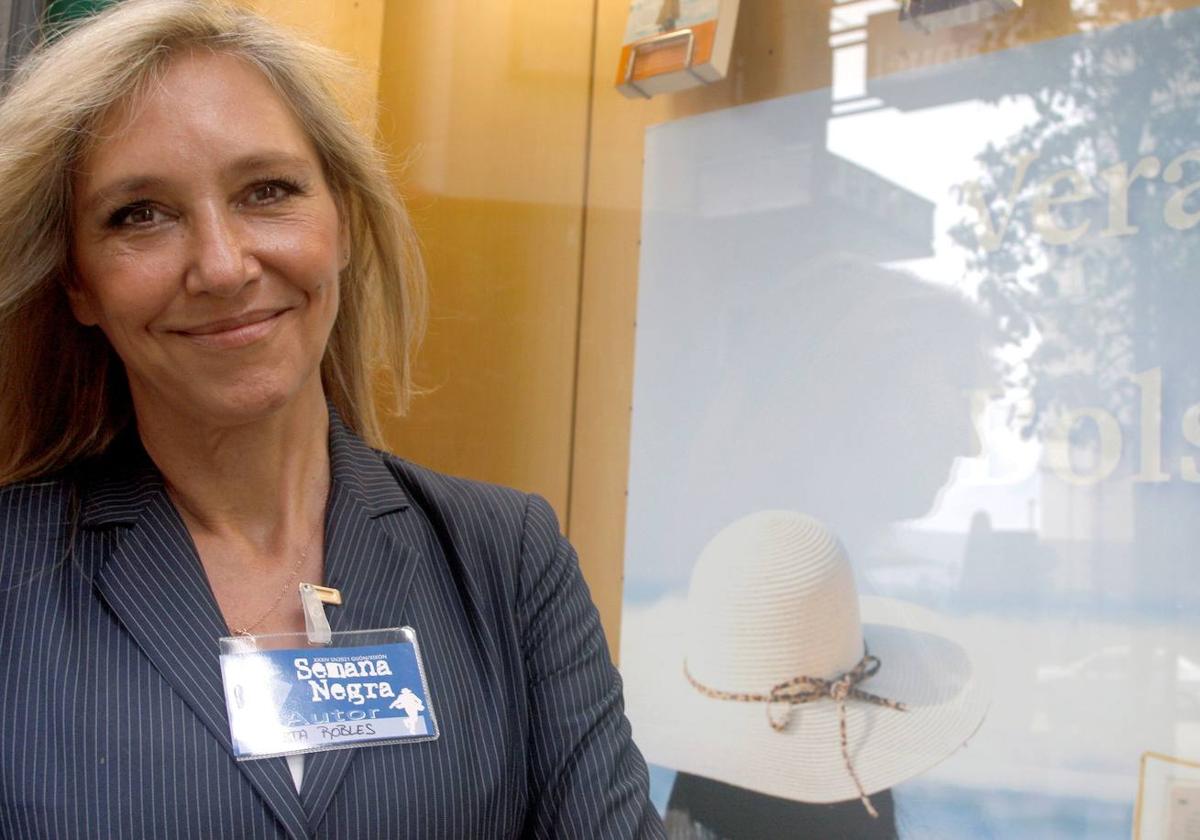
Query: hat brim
x=732 y=741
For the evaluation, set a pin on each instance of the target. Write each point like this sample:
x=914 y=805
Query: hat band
x=802 y=689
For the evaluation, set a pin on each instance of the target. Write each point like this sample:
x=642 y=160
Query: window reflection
x=956 y=327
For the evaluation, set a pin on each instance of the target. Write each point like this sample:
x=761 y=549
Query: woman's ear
x=82 y=306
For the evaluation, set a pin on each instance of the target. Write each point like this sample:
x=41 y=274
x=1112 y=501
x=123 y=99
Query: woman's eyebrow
x=258 y=161
x=125 y=186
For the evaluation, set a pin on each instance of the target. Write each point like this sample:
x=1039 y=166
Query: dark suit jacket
x=112 y=716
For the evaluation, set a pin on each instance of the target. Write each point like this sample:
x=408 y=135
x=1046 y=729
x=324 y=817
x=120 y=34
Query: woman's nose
x=222 y=262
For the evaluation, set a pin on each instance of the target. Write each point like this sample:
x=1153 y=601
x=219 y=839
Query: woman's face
x=207 y=244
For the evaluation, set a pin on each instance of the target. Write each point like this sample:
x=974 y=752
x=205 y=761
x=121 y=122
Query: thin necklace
x=246 y=630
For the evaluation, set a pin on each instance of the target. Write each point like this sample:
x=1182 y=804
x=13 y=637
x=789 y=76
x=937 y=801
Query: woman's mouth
x=239 y=331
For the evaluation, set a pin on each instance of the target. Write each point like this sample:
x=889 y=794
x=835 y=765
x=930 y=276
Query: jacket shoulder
x=500 y=526
x=34 y=517
x=458 y=498
x=34 y=503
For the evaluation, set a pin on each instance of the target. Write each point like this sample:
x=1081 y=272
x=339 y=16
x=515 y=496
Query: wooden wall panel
x=352 y=27
x=486 y=104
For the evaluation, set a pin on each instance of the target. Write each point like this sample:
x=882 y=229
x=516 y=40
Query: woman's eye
x=265 y=193
x=271 y=192
x=135 y=215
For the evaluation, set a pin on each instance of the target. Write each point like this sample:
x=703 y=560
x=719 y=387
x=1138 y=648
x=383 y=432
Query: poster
x=958 y=331
x=650 y=17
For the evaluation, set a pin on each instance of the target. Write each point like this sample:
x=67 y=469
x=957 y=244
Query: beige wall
x=353 y=27
x=486 y=103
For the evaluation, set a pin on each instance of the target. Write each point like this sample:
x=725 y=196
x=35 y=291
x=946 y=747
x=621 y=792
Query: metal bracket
x=658 y=41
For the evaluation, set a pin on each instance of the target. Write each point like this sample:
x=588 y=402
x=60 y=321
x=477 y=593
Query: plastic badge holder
x=293 y=693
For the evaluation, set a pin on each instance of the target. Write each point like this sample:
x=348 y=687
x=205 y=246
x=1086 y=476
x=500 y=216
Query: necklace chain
x=246 y=629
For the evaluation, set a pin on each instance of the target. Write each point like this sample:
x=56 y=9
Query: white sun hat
x=741 y=683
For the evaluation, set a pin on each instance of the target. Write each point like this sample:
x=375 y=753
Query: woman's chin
x=232 y=406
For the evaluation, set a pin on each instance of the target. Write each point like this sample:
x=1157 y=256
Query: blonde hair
x=65 y=395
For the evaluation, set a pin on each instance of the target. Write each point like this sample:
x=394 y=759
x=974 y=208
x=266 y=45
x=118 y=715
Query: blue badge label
x=296 y=700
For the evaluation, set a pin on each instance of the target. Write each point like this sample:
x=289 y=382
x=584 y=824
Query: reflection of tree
x=1092 y=312
x=1089 y=313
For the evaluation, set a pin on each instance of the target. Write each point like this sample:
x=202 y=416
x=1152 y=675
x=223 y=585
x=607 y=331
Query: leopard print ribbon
x=799 y=690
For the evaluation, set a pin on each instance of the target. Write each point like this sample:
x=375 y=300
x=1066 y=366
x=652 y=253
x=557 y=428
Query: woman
x=202 y=262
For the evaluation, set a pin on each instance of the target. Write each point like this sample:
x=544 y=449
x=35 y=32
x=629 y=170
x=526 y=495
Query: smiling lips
x=239 y=331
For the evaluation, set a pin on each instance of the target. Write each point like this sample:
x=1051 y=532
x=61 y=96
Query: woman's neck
x=259 y=482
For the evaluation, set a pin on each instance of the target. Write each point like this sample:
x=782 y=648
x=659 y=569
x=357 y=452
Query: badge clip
x=327 y=594
x=313 y=599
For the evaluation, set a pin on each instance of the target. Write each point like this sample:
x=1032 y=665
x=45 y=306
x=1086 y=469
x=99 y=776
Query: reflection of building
x=1082 y=554
x=1002 y=567
x=896 y=49
x=900 y=222
x=1090 y=530
x=799 y=195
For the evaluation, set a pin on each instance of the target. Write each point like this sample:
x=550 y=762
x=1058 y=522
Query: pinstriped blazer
x=112 y=717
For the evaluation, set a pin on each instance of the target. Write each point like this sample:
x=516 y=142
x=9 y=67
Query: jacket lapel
x=154 y=584
x=370 y=561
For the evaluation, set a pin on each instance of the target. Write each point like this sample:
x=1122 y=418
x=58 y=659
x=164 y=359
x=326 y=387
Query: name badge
x=286 y=697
